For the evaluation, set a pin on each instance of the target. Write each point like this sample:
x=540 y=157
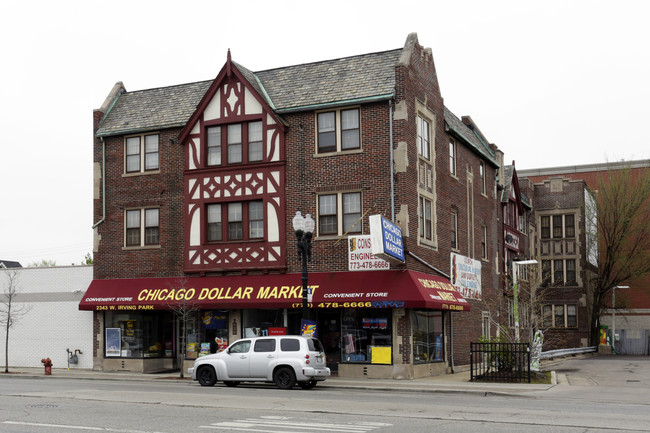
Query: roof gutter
x=337 y=103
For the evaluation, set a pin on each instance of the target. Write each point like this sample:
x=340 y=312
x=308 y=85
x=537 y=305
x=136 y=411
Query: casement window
x=338 y=130
x=559 y=226
x=235 y=143
x=424 y=138
x=484 y=242
x=142 y=154
x=235 y=221
x=481 y=171
x=142 y=227
x=452 y=157
x=339 y=213
x=560 y=316
x=559 y=272
x=425 y=210
x=454 y=230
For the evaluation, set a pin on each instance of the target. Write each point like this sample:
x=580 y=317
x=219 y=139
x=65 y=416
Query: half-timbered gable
x=234 y=179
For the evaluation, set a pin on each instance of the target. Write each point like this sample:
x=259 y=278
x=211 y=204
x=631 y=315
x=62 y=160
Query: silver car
x=284 y=360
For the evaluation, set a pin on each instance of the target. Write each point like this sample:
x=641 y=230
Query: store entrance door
x=329 y=333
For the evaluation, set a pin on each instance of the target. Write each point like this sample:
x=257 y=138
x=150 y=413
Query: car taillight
x=307 y=359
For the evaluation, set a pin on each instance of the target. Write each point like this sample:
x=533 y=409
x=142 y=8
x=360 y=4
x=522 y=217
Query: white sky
x=550 y=82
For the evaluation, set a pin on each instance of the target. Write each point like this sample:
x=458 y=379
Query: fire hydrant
x=47 y=362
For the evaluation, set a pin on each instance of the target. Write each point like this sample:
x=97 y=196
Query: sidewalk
x=458 y=382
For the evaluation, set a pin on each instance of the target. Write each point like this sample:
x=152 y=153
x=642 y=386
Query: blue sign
x=386 y=238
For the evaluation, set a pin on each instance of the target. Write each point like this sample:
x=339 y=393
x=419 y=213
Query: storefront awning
x=373 y=289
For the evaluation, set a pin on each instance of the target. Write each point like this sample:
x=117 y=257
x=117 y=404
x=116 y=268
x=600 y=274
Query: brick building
x=196 y=186
x=560 y=192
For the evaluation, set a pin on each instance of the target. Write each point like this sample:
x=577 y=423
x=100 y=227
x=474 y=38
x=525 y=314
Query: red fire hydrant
x=47 y=362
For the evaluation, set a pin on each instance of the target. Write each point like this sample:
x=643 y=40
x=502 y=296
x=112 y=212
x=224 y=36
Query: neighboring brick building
x=562 y=189
x=196 y=186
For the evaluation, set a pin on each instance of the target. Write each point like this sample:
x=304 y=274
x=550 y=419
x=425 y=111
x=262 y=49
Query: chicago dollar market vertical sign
x=386 y=239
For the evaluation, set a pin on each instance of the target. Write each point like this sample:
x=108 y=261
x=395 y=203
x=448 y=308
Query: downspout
x=392 y=165
x=451 y=341
x=103 y=184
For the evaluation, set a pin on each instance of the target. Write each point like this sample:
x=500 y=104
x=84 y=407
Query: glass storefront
x=427 y=336
x=207 y=333
x=139 y=335
x=366 y=336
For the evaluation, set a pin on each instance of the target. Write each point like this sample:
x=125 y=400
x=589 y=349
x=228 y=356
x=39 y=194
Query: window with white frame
x=142 y=153
x=235 y=221
x=142 y=227
x=338 y=130
x=560 y=315
x=339 y=213
x=425 y=210
x=557 y=226
x=559 y=272
x=235 y=143
x=454 y=230
x=481 y=172
x=452 y=156
x=424 y=138
x=484 y=240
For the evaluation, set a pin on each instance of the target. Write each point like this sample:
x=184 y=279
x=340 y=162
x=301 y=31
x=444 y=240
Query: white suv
x=285 y=360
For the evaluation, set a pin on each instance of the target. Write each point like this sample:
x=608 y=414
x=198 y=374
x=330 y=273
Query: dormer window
x=236 y=143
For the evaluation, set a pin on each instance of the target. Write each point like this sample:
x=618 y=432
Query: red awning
x=373 y=289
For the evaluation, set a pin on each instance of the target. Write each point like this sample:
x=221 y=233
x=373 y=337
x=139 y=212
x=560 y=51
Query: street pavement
x=588 y=372
x=457 y=382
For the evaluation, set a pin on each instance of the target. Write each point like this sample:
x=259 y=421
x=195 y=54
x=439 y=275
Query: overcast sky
x=549 y=82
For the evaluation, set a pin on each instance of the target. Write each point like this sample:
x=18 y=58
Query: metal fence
x=499 y=362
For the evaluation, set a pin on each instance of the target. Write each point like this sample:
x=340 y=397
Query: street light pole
x=515 y=290
x=304 y=227
x=614 y=314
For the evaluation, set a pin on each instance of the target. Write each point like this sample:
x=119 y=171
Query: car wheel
x=230 y=383
x=308 y=385
x=206 y=376
x=284 y=378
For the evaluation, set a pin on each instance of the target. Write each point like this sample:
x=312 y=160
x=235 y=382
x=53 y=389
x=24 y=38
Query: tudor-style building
x=196 y=186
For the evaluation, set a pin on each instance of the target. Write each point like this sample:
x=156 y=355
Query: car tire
x=284 y=378
x=206 y=376
x=308 y=385
x=231 y=383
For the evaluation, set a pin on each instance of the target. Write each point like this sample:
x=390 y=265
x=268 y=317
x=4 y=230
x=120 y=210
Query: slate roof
x=471 y=137
x=301 y=87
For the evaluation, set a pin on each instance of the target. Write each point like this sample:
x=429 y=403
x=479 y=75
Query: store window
x=427 y=336
x=139 y=335
x=263 y=322
x=366 y=336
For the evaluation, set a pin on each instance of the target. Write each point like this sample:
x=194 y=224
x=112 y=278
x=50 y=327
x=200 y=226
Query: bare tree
x=10 y=312
x=621 y=230
x=185 y=311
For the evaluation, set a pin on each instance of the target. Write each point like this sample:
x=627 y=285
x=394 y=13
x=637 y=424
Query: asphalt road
x=599 y=394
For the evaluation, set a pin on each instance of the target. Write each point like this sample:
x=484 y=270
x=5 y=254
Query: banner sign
x=466 y=276
x=360 y=256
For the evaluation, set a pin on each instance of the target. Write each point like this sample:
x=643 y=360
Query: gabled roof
x=308 y=86
x=145 y=110
x=510 y=181
x=472 y=138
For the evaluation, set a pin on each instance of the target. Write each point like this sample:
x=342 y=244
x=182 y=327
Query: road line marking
x=76 y=427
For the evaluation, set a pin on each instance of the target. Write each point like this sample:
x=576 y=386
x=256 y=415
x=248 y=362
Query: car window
x=264 y=345
x=314 y=345
x=240 y=347
x=289 y=344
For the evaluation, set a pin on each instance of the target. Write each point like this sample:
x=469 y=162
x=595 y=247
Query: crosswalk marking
x=280 y=424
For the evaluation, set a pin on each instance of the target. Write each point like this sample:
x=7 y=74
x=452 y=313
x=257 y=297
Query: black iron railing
x=500 y=362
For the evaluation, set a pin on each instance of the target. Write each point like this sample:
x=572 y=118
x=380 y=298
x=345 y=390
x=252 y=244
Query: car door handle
x=270 y=356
